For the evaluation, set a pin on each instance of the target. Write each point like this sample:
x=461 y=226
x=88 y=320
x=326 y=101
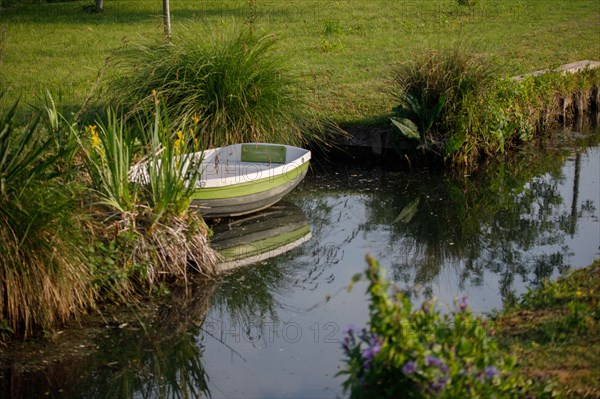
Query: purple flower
x=434 y=361
x=437 y=386
x=374 y=341
x=490 y=372
x=346 y=344
x=409 y=367
x=462 y=303
x=350 y=329
x=370 y=351
x=444 y=368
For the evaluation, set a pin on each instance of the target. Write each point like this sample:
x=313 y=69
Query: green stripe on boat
x=249 y=187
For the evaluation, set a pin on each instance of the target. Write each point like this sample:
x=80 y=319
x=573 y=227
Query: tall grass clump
x=147 y=204
x=44 y=275
x=431 y=89
x=235 y=86
x=422 y=353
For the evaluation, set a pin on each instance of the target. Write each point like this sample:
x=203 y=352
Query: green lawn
x=344 y=48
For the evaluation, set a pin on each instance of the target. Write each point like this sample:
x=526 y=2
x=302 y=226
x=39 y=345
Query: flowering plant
x=422 y=353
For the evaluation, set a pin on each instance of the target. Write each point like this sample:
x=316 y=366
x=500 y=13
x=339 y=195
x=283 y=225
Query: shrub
x=515 y=111
x=422 y=353
x=235 y=86
x=44 y=276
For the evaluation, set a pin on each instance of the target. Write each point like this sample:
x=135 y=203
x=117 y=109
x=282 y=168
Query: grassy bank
x=555 y=331
x=453 y=108
x=344 y=48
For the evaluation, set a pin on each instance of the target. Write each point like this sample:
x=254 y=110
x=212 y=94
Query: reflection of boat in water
x=260 y=236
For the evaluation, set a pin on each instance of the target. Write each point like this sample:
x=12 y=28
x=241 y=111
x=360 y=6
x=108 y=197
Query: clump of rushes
x=148 y=212
x=44 y=276
x=235 y=86
x=421 y=353
x=430 y=89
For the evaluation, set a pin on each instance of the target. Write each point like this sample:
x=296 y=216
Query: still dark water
x=271 y=330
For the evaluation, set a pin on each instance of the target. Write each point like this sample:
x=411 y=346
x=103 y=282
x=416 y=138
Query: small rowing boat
x=241 y=178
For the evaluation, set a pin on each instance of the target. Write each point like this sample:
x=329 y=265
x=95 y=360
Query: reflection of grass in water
x=142 y=352
x=475 y=224
x=248 y=295
x=161 y=359
x=486 y=222
x=131 y=363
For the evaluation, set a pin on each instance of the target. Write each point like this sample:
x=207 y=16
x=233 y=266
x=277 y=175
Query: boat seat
x=263 y=153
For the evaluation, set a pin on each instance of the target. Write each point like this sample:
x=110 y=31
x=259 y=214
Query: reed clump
x=431 y=89
x=147 y=205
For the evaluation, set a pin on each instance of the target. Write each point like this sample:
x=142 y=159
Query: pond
x=272 y=329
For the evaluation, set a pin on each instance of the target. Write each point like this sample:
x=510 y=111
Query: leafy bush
x=44 y=275
x=513 y=111
x=422 y=353
x=235 y=86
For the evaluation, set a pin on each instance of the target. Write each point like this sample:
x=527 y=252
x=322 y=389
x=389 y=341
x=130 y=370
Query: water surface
x=271 y=330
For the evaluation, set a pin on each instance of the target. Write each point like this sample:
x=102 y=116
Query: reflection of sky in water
x=296 y=354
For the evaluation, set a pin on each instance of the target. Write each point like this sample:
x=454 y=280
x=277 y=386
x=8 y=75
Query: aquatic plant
x=149 y=208
x=110 y=156
x=422 y=353
x=44 y=275
x=234 y=85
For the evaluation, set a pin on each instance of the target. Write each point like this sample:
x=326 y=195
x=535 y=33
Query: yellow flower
x=178 y=142
x=196 y=119
x=579 y=293
x=95 y=138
